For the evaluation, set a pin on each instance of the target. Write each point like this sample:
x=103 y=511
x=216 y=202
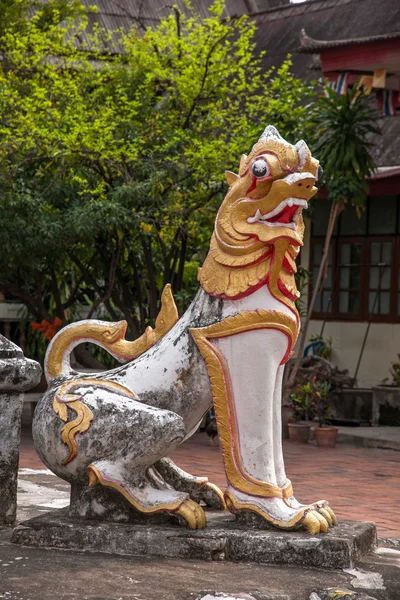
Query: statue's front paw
x=279 y=514
x=321 y=506
x=317 y=521
x=327 y=513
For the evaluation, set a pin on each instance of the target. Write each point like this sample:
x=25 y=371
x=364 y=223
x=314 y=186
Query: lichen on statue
x=114 y=429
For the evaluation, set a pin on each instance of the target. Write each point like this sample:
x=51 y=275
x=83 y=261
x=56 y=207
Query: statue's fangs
x=115 y=429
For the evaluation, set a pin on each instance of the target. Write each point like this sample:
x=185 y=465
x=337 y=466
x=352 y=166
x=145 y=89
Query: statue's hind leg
x=321 y=506
x=198 y=488
x=92 y=431
x=157 y=433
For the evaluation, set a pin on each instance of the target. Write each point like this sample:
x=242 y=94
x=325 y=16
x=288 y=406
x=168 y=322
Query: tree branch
x=111 y=281
x=89 y=277
x=203 y=81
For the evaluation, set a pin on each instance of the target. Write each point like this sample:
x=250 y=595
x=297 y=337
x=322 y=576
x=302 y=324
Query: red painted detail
x=248 y=292
x=252 y=187
x=283 y=289
x=285 y=216
x=251 y=290
x=255 y=262
x=291 y=307
x=288 y=267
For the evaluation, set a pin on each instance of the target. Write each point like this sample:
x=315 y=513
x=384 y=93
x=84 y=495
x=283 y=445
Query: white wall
x=383 y=344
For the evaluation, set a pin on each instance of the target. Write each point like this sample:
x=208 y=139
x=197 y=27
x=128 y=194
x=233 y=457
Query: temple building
x=346 y=41
x=339 y=41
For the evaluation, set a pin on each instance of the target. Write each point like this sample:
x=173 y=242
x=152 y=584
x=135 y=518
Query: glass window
x=320 y=211
x=351 y=224
x=380 y=277
x=398 y=287
x=323 y=299
x=382 y=215
x=350 y=261
x=363 y=275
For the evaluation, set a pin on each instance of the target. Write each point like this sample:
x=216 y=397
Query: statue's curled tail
x=110 y=336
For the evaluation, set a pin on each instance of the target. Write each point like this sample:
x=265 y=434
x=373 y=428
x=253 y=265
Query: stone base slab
x=224 y=540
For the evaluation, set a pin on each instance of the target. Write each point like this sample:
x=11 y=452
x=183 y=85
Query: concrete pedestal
x=17 y=374
x=225 y=539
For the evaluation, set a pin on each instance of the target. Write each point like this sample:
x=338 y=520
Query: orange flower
x=48 y=329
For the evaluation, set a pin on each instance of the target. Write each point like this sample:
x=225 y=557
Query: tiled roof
x=279 y=30
x=308 y=44
x=279 y=33
x=334 y=21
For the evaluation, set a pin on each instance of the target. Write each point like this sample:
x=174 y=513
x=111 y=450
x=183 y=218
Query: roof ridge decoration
x=309 y=44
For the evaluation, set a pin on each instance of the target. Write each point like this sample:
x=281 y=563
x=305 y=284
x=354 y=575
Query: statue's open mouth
x=286 y=214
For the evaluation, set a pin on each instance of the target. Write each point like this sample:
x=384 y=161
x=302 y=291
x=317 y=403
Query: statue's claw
x=321 y=508
x=198 y=488
x=214 y=497
x=323 y=523
x=193 y=514
x=332 y=515
x=326 y=515
x=311 y=522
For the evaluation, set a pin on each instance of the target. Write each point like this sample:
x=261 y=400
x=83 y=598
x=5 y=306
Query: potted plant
x=325 y=434
x=302 y=406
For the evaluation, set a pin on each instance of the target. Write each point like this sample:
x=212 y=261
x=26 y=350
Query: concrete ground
x=39 y=574
x=46 y=574
x=371 y=437
x=360 y=483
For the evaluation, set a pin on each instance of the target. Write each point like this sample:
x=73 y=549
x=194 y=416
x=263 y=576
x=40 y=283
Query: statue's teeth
x=290 y=202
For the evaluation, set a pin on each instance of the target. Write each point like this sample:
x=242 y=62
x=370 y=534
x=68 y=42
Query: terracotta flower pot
x=326 y=436
x=299 y=432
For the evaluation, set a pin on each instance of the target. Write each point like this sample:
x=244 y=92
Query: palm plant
x=345 y=126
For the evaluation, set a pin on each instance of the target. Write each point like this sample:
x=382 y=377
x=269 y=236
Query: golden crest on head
x=259 y=227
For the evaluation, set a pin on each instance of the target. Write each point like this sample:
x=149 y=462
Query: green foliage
x=112 y=165
x=345 y=131
x=302 y=278
x=323 y=346
x=302 y=403
x=311 y=400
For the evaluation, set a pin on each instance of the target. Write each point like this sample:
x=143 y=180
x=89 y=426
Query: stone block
x=17 y=374
x=386 y=397
x=224 y=540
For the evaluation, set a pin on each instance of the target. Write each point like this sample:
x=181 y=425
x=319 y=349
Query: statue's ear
x=242 y=163
x=231 y=177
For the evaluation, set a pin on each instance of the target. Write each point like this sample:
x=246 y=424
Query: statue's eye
x=260 y=168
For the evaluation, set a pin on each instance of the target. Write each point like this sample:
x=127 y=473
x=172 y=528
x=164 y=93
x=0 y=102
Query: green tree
x=345 y=130
x=112 y=153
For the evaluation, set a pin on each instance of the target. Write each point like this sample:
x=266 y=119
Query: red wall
x=380 y=54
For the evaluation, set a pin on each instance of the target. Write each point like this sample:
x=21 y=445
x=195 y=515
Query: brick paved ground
x=360 y=483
